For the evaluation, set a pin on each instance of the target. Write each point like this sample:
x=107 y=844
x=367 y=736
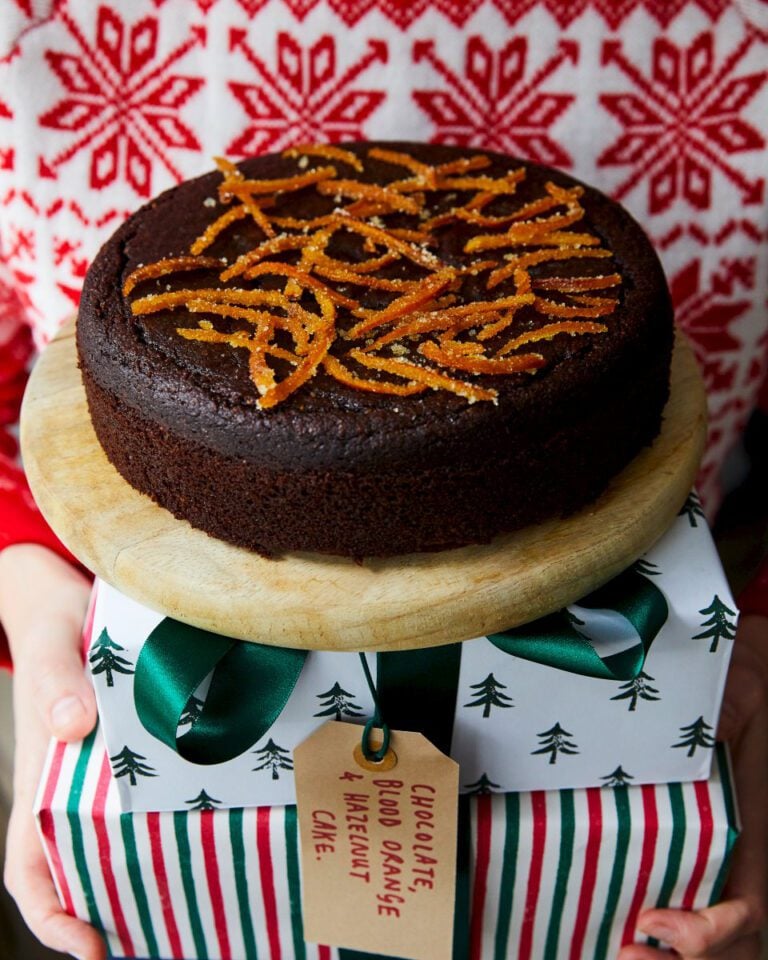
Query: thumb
x=43 y=602
x=50 y=675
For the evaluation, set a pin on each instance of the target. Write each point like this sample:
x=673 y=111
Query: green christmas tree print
x=482 y=786
x=619 y=778
x=273 y=758
x=203 y=802
x=696 y=735
x=104 y=658
x=720 y=627
x=692 y=509
x=637 y=689
x=489 y=695
x=647 y=568
x=338 y=703
x=554 y=742
x=192 y=712
x=129 y=764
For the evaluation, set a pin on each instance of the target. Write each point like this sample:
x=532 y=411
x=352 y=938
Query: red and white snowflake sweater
x=660 y=103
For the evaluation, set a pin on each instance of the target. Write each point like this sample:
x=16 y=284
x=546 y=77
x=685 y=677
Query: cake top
x=388 y=273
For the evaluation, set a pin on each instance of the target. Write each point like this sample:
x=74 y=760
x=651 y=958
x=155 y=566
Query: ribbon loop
x=555 y=642
x=250 y=686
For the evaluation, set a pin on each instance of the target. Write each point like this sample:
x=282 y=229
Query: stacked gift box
x=585 y=743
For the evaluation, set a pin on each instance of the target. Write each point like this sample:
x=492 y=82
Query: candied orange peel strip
x=281 y=184
x=301 y=277
x=344 y=375
x=218 y=226
x=306 y=369
x=493 y=329
x=279 y=244
x=411 y=236
x=432 y=322
x=260 y=372
x=430 y=378
x=463 y=165
x=162 y=268
x=423 y=172
x=576 y=284
x=370 y=192
x=405 y=304
x=460 y=346
x=550 y=330
x=550 y=308
x=261 y=319
x=461 y=317
x=459 y=360
x=153 y=303
x=375 y=263
x=337 y=270
x=385 y=239
x=523 y=261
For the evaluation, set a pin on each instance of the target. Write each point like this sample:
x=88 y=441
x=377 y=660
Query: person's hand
x=730 y=929
x=42 y=605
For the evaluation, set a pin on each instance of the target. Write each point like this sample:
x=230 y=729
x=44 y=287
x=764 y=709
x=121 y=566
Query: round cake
x=370 y=349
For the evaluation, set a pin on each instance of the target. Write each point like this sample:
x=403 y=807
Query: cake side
x=340 y=470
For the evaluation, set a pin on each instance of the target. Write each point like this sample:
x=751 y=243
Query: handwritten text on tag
x=378 y=844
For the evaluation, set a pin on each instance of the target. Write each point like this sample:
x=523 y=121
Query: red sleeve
x=20 y=520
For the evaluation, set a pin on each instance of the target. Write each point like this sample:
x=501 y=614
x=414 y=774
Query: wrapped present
x=630 y=678
x=559 y=874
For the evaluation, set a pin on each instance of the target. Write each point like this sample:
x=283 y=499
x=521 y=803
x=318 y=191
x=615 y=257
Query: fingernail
x=66 y=711
x=660 y=931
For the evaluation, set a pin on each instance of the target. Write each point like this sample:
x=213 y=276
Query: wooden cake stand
x=318 y=602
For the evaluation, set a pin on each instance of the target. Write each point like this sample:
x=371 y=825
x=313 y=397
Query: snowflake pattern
x=707 y=314
x=682 y=122
x=499 y=103
x=304 y=97
x=121 y=101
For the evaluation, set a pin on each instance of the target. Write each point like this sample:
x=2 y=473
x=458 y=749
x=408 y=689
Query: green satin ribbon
x=250 y=687
x=555 y=641
x=417 y=691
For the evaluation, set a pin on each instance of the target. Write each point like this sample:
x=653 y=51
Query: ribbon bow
x=251 y=683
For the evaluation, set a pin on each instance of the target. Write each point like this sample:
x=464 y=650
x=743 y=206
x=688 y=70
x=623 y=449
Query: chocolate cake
x=373 y=349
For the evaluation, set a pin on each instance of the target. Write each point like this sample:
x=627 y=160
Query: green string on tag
x=374 y=756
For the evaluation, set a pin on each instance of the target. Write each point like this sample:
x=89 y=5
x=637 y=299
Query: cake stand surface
x=318 y=602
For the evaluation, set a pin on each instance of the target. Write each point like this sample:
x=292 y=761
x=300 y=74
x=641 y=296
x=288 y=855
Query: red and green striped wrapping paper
x=557 y=875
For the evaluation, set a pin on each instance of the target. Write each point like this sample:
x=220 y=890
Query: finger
x=701 y=933
x=56 y=929
x=745 y=691
x=50 y=675
x=747 y=685
x=29 y=883
x=748 y=880
x=740 y=692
